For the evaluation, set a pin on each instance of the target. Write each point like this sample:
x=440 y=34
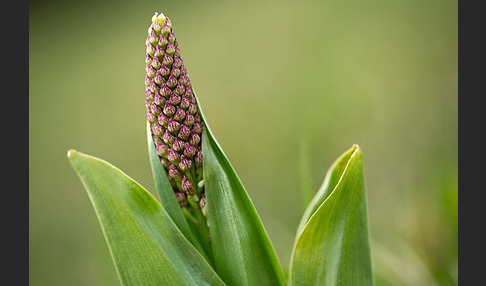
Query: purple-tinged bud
x=163 y=41
x=158 y=78
x=156 y=63
x=174 y=99
x=184 y=79
x=183 y=70
x=189 y=120
x=184 y=132
x=165 y=91
x=178 y=145
x=181 y=198
x=197 y=127
x=185 y=163
x=157 y=139
x=163 y=120
x=148 y=94
x=150 y=50
x=177 y=50
x=171 y=82
x=154 y=87
x=159 y=52
x=192 y=109
x=176 y=72
x=148 y=80
x=147 y=105
x=164 y=71
x=170 y=49
x=197 y=117
x=168 y=22
x=148 y=59
x=194 y=139
x=157 y=129
x=156 y=26
x=179 y=89
x=152 y=38
x=180 y=114
x=168 y=138
x=177 y=62
x=199 y=158
x=165 y=29
x=151 y=117
x=202 y=204
x=165 y=163
x=155 y=109
x=151 y=71
x=167 y=60
x=187 y=186
x=171 y=38
x=174 y=173
x=190 y=150
x=173 y=156
x=169 y=109
x=184 y=103
x=162 y=149
x=174 y=126
x=159 y=100
x=189 y=94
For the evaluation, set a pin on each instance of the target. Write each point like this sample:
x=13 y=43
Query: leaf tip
x=71 y=153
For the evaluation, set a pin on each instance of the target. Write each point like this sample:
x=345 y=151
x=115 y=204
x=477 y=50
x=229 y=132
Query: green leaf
x=330 y=181
x=145 y=244
x=167 y=197
x=242 y=251
x=333 y=247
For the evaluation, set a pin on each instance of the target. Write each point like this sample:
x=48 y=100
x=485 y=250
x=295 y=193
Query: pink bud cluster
x=172 y=111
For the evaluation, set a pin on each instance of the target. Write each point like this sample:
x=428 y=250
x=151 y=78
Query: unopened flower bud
x=189 y=150
x=202 y=204
x=181 y=198
x=187 y=186
x=174 y=173
x=185 y=163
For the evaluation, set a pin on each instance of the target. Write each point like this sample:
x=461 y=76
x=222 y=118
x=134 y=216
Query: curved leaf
x=330 y=181
x=242 y=251
x=333 y=247
x=145 y=244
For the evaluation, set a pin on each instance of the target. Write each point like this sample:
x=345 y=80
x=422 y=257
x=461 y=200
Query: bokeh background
x=286 y=86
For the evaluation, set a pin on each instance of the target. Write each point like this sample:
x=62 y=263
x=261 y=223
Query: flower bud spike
x=173 y=115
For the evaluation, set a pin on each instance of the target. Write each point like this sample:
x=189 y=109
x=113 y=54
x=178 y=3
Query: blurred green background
x=274 y=78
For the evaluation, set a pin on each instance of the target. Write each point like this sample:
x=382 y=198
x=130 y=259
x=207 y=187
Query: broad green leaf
x=242 y=251
x=167 y=197
x=146 y=246
x=333 y=247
